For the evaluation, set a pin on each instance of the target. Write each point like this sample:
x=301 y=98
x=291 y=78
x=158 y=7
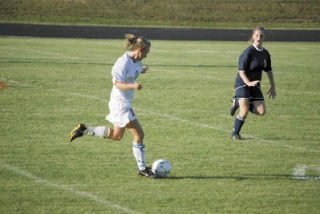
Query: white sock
x=139 y=154
x=100 y=131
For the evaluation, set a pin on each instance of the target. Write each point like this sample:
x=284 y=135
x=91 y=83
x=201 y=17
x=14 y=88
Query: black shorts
x=251 y=93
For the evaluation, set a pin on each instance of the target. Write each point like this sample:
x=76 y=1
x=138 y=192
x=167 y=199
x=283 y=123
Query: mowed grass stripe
x=183 y=109
x=170 y=117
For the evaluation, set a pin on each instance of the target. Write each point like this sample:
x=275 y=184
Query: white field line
x=185 y=51
x=215 y=76
x=48 y=53
x=312 y=93
x=173 y=118
x=268 y=142
x=200 y=51
x=300 y=172
x=66 y=188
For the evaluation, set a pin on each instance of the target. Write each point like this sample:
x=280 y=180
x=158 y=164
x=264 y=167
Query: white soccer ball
x=161 y=168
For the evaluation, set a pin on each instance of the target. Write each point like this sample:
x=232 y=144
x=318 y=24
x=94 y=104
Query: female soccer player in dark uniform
x=248 y=95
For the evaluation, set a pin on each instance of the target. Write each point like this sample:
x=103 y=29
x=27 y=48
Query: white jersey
x=127 y=71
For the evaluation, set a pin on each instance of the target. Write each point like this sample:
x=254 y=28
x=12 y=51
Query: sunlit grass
x=183 y=107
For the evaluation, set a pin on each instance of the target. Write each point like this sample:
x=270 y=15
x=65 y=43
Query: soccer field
x=52 y=84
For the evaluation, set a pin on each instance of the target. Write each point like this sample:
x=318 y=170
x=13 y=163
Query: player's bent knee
x=243 y=114
x=116 y=136
x=261 y=112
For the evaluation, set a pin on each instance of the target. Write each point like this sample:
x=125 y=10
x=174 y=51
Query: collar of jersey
x=260 y=50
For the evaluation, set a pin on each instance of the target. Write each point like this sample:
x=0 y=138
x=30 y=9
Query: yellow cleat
x=77 y=132
x=236 y=137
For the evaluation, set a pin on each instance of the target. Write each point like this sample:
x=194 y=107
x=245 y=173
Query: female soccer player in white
x=247 y=83
x=124 y=72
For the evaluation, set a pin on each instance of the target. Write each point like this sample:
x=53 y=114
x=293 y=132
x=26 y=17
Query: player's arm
x=128 y=86
x=144 y=69
x=244 y=60
x=272 y=91
x=246 y=80
x=118 y=73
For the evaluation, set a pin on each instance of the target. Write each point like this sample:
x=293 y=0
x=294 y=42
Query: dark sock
x=252 y=108
x=236 y=102
x=238 y=123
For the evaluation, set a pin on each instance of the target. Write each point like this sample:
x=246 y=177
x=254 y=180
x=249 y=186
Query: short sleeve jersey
x=127 y=71
x=252 y=62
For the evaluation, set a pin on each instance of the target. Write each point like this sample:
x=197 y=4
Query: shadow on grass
x=239 y=178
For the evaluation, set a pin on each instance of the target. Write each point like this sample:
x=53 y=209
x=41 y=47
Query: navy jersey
x=252 y=62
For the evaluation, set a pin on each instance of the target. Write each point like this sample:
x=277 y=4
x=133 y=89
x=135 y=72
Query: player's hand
x=138 y=86
x=144 y=69
x=253 y=83
x=272 y=93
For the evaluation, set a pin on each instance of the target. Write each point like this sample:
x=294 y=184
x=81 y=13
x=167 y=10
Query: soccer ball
x=161 y=168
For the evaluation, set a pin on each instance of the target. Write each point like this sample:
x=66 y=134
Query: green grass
x=55 y=83
x=272 y=14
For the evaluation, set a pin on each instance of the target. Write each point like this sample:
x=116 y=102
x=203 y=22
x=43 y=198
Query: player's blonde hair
x=253 y=31
x=133 y=42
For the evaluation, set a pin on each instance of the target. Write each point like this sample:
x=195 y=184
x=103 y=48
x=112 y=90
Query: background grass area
x=55 y=83
x=277 y=14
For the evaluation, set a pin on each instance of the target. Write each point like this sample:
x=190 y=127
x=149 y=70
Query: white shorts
x=120 y=114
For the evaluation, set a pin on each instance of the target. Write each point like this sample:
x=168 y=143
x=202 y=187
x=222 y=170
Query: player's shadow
x=239 y=178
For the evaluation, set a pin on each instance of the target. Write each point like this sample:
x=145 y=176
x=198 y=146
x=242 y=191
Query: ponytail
x=131 y=39
x=133 y=42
